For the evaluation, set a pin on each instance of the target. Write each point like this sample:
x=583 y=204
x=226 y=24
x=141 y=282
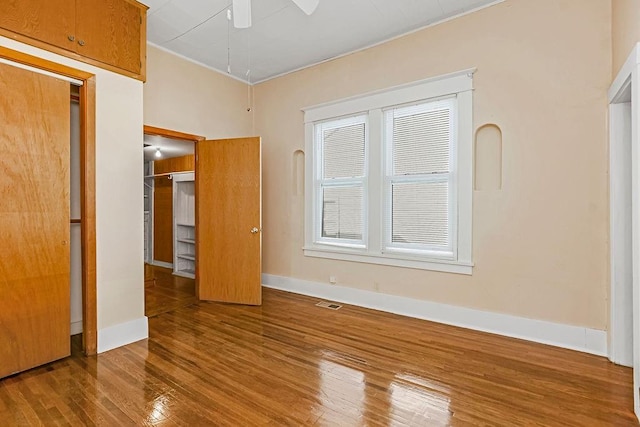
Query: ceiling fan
x=242 y=10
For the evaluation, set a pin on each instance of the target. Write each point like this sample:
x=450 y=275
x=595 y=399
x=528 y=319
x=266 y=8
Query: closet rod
x=76 y=221
x=169 y=174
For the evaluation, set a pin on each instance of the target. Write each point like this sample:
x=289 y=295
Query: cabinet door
x=109 y=31
x=51 y=21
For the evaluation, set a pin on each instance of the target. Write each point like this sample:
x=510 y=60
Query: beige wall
x=184 y=96
x=625 y=15
x=540 y=243
x=120 y=283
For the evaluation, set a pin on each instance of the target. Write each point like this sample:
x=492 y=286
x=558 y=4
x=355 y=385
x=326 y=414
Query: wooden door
x=34 y=219
x=229 y=220
x=109 y=31
x=51 y=21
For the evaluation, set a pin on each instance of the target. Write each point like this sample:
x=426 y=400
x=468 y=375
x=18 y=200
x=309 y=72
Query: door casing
x=625 y=217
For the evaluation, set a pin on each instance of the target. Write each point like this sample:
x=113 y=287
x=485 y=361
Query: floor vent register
x=329 y=305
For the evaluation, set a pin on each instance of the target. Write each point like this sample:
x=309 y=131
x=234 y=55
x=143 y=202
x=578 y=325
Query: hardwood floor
x=289 y=362
x=168 y=293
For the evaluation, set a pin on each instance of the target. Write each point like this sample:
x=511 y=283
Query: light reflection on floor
x=340 y=387
x=419 y=401
x=407 y=399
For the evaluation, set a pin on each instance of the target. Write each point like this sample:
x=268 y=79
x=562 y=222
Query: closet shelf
x=190 y=272
x=185 y=225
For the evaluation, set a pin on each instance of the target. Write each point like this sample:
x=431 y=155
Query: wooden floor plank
x=168 y=292
x=289 y=362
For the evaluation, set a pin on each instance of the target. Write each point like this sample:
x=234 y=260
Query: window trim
x=458 y=84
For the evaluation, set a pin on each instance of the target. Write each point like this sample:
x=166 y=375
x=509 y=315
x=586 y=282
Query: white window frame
x=390 y=179
x=372 y=250
x=320 y=183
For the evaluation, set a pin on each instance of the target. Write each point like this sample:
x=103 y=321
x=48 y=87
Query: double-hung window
x=389 y=176
x=341 y=184
x=419 y=190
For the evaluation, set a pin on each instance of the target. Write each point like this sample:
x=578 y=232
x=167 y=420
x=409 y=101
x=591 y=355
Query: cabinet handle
x=81 y=42
x=71 y=38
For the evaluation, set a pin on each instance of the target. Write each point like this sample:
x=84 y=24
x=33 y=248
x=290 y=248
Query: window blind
x=343 y=151
x=418 y=178
x=342 y=212
x=342 y=178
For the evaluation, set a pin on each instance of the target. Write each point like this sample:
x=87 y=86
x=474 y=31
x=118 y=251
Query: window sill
x=431 y=264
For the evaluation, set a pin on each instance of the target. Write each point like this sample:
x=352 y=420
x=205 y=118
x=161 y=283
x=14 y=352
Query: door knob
x=254 y=230
x=81 y=42
x=71 y=38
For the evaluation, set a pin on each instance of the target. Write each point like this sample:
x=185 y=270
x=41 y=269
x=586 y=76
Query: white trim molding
x=620 y=231
x=432 y=87
x=123 y=334
x=76 y=327
x=577 y=338
x=624 y=170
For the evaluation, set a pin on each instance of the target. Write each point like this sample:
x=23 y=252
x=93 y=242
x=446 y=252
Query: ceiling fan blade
x=307 y=6
x=242 y=13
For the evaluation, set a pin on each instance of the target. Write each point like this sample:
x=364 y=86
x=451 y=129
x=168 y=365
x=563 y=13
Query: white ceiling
x=168 y=147
x=283 y=38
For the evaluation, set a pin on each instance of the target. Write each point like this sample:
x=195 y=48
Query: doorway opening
x=169 y=220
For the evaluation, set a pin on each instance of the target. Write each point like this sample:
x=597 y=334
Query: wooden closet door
x=34 y=219
x=229 y=220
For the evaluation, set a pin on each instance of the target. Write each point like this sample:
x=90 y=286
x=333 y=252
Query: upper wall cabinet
x=109 y=31
x=110 y=34
x=49 y=21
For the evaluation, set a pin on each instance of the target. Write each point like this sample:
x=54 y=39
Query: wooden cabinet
x=51 y=21
x=108 y=33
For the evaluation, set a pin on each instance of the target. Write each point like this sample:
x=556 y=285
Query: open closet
x=202 y=218
x=169 y=223
x=169 y=191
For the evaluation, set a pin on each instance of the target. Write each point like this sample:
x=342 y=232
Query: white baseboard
x=162 y=264
x=560 y=335
x=76 y=327
x=123 y=334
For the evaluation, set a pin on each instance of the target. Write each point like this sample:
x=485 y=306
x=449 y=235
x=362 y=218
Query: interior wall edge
x=586 y=340
x=123 y=334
